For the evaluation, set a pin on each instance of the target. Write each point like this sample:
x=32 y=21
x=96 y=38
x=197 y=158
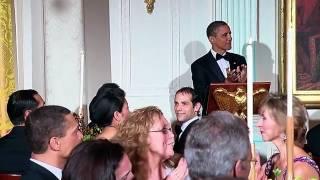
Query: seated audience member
x=14 y=149
x=148 y=141
x=313 y=143
x=107 y=111
x=272 y=126
x=111 y=87
x=52 y=132
x=186 y=106
x=218 y=147
x=98 y=159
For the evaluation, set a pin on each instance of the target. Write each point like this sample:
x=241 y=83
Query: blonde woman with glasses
x=148 y=140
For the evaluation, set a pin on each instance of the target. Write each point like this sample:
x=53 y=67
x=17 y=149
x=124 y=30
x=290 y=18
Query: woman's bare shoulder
x=305 y=171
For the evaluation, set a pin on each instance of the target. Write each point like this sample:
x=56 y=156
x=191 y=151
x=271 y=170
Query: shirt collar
x=214 y=54
x=54 y=170
x=186 y=124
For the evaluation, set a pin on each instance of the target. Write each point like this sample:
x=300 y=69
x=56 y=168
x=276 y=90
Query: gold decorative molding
x=150 y=5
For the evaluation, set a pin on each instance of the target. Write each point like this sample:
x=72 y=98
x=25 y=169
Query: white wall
x=266 y=44
x=37 y=47
x=48 y=49
x=149 y=55
x=29 y=43
x=145 y=51
x=63 y=41
x=23 y=40
x=97 y=45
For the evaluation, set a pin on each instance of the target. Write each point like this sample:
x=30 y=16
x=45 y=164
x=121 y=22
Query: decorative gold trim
x=7 y=56
x=282 y=65
x=236 y=101
x=311 y=98
x=150 y=5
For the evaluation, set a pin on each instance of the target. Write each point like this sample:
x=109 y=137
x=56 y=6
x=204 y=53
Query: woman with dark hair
x=97 y=160
x=272 y=126
x=108 y=109
x=148 y=140
x=313 y=145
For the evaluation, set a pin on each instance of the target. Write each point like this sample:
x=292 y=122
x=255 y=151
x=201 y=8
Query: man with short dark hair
x=52 y=132
x=186 y=106
x=14 y=149
x=218 y=147
x=218 y=65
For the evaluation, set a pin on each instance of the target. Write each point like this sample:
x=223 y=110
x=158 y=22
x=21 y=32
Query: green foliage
x=276 y=172
x=90 y=133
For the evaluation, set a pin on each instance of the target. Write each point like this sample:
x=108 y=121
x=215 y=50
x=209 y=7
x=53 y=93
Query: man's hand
x=238 y=75
x=232 y=76
x=242 y=73
x=180 y=172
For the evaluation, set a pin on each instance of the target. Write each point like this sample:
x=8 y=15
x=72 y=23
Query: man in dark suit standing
x=14 y=149
x=52 y=132
x=186 y=106
x=218 y=65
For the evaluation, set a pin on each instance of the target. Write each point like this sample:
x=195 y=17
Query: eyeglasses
x=254 y=161
x=247 y=166
x=164 y=130
x=250 y=161
x=125 y=177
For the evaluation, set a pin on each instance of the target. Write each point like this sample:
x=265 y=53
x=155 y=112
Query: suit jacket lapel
x=214 y=67
x=232 y=61
x=43 y=172
x=186 y=131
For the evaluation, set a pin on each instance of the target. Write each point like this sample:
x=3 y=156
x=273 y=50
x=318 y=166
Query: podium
x=232 y=97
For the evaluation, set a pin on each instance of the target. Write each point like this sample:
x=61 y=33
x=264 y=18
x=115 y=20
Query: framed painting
x=306 y=62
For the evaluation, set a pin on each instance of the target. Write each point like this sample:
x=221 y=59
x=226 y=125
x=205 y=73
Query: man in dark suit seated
x=218 y=65
x=52 y=132
x=186 y=106
x=218 y=147
x=14 y=149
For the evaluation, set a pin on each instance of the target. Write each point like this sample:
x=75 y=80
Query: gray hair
x=215 y=144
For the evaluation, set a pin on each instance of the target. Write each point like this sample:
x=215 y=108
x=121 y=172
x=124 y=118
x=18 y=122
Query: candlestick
x=289 y=129
x=81 y=83
x=291 y=55
x=289 y=72
x=249 y=52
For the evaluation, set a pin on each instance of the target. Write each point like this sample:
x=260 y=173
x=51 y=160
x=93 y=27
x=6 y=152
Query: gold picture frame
x=306 y=43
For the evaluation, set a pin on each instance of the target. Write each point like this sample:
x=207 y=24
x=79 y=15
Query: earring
x=283 y=137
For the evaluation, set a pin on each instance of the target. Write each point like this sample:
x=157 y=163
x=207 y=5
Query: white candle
x=290 y=127
x=81 y=81
x=289 y=72
x=249 y=53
